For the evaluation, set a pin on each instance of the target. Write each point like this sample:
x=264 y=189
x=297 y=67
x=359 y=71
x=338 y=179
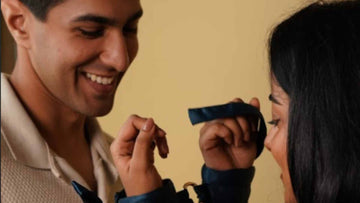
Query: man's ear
x=15 y=16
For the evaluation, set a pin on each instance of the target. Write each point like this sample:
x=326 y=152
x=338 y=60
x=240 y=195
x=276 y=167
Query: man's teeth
x=99 y=79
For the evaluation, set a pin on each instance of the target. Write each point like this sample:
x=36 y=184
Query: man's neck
x=58 y=124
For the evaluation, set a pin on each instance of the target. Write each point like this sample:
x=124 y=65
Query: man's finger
x=236 y=130
x=245 y=127
x=255 y=102
x=213 y=133
x=123 y=144
x=131 y=128
x=254 y=120
x=237 y=100
x=143 y=151
x=161 y=142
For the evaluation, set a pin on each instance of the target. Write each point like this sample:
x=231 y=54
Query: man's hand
x=230 y=143
x=133 y=154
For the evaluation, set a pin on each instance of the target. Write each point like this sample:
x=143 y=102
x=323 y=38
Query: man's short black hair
x=40 y=8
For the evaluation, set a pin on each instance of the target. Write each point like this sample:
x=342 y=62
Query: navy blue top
x=218 y=186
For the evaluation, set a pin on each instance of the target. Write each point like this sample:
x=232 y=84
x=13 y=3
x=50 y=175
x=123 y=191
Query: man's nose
x=115 y=52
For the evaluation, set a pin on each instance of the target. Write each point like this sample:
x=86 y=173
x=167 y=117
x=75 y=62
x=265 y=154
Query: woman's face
x=276 y=140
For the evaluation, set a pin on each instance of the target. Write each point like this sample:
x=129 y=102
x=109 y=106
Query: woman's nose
x=267 y=141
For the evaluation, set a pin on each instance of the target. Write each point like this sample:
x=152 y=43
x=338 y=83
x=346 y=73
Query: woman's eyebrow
x=273 y=99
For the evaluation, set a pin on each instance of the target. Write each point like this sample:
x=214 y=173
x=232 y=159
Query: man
x=229 y=146
x=71 y=56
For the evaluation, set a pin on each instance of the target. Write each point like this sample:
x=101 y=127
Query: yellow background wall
x=195 y=53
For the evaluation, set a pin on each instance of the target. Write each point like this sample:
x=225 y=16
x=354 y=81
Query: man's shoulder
x=32 y=182
x=4 y=75
x=5 y=85
x=4 y=78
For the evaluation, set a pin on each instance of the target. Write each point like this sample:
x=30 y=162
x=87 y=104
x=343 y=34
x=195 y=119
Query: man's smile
x=103 y=84
x=100 y=79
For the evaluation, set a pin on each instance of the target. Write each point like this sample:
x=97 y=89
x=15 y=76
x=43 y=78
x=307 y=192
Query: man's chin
x=100 y=114
x=97 y=111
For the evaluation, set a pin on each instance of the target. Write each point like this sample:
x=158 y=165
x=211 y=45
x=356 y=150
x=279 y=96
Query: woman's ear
x=15 y=16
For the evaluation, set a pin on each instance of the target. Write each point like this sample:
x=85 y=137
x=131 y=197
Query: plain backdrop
x=195 y=53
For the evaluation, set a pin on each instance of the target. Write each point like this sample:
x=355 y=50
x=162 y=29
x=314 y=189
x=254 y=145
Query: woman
x=315 y=137
x=315 y=72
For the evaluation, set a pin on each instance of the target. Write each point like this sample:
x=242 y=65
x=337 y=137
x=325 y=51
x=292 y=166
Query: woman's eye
x=92 y=34
x=274 y=122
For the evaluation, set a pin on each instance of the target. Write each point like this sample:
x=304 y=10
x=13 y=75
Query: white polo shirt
x=32 y=172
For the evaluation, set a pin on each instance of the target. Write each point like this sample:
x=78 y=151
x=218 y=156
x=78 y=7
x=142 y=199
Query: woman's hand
x=133 y=154
x=231 y=142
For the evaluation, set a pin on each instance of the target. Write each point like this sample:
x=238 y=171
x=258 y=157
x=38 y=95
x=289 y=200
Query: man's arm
x=133 y=154
x=229 y=149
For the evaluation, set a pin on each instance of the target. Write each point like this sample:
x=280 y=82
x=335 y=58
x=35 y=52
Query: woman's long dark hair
x=315 y=58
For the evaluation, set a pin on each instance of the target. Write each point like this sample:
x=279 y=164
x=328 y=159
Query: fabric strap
x=231 y=110
x=86 y=195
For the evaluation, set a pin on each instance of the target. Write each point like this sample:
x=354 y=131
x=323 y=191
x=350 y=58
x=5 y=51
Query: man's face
x=83 y=49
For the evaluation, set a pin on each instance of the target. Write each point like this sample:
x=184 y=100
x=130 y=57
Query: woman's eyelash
x=274 y=122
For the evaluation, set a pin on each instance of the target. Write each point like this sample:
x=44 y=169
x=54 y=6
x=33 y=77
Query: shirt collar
x=28 y=146
x=20 y=133
x=101 y=143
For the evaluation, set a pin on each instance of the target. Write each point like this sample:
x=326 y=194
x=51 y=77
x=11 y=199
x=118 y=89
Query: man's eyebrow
x=95 y=19
x=273 y=99
x=105 y=20
x=136 y=16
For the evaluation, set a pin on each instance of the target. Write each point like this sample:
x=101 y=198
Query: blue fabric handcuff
x=231 y=110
